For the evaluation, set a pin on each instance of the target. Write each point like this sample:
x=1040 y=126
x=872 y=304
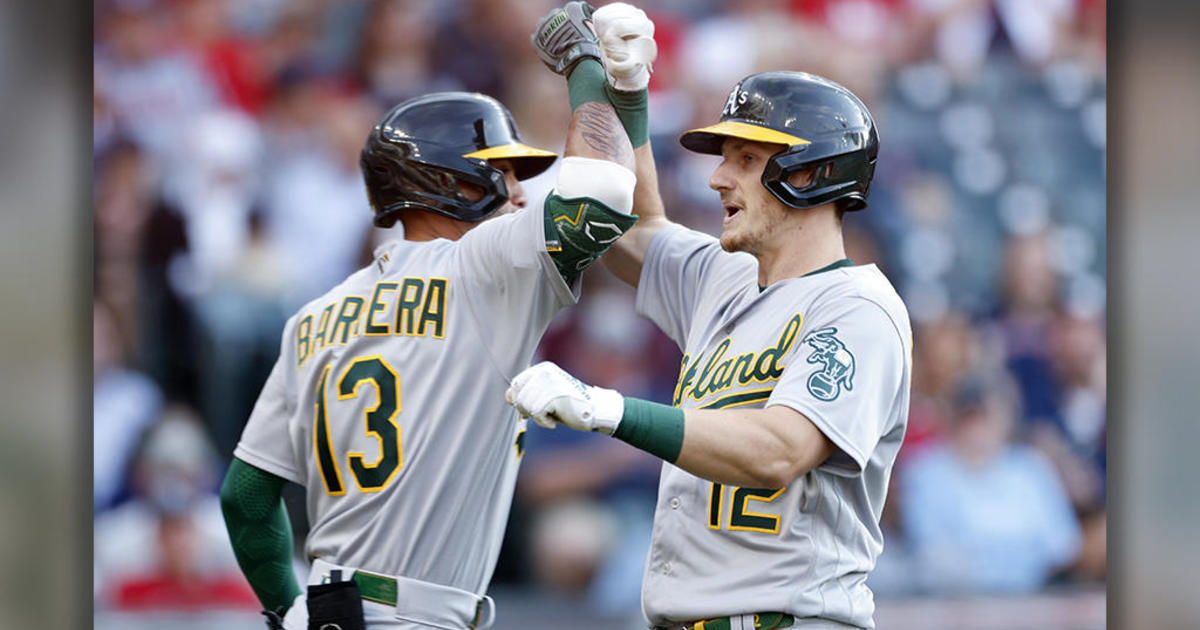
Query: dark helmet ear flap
x=845 y=178
x=423 y=152
x=395 y=183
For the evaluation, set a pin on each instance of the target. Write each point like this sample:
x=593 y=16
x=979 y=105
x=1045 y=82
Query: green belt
x=377 y=588
x=762 y=621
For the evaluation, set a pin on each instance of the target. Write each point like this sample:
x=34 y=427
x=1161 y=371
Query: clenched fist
x=549 y=396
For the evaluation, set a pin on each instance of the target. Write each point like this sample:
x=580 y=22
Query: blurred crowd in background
x=227 y=193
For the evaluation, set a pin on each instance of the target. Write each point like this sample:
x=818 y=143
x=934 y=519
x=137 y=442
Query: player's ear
x=470 y=191
x=803 y=178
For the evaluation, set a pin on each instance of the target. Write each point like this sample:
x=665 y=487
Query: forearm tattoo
x=601 y=130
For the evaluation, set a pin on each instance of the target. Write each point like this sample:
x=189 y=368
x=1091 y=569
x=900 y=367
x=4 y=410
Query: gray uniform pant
x=420 y=605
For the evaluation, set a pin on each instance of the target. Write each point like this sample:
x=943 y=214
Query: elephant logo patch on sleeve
x=837 y=364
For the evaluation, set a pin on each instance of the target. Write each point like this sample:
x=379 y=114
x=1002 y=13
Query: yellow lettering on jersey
x=687 y=373
x=372 y=329
x=419 y=312
x=434 y=309
x=303 y=334
x=347 y=319
x=720 y=373
x=320 y=340
x=767 y=364
x=407 y=304
x=723 y=376
x=701 y=388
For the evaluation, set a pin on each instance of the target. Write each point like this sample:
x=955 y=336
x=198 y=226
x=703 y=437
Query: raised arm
x=595 y=131
x=628 y=49
x=590 y=206
x=624 y=259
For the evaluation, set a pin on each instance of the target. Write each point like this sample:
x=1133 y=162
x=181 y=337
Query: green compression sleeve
x=654 y=428
x=632 y=110
x=586 y=83
x=260 y=532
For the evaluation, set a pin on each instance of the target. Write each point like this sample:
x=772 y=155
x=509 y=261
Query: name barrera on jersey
x=387 y=401
x=409 y=307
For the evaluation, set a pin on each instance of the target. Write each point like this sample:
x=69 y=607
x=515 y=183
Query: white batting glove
x=549 y=395
x=626 y=44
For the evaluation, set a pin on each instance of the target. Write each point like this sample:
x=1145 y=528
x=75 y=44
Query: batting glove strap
x=548 y=395
x=609 y=406
x=564 y=37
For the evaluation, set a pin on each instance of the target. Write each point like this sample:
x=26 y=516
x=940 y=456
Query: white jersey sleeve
x=517 y=241
x=513 y=286
x=845 y=376
x=680 y=264
x=265 y=443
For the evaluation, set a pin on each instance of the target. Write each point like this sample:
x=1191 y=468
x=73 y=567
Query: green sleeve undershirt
x=579 y=230
x=632 y=109
x=652 y=427
x=251 y=500
x=586 y=83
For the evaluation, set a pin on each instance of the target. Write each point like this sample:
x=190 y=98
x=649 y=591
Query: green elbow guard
x=579 y=230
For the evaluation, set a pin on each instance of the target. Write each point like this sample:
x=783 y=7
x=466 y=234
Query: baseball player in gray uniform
x=793 y=393
x=387 y=401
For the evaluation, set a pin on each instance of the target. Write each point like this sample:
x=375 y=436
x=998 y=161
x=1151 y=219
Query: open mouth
x=731 y=211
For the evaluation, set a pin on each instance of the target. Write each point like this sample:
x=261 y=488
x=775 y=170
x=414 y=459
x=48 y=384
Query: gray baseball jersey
x=387 y=401
x=834 y=345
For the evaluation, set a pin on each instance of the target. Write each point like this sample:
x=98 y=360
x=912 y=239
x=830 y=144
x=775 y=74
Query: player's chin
x=732 y=241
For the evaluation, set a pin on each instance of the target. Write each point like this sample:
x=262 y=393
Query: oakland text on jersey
x=412 y=307
x=719 y=373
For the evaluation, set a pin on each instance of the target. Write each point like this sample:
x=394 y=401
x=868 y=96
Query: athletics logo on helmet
x=424 y=148
x=820 y=125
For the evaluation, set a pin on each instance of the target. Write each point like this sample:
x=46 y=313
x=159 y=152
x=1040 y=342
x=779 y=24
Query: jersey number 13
x=379 y=422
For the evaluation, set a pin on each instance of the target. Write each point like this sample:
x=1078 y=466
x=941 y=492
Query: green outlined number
x=326 y=461
x=362 y=376
x=741 y=516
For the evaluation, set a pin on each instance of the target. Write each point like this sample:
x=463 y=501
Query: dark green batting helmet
x=818 y=123
x=422 y=149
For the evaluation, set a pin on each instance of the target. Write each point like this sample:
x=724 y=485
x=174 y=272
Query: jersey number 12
x=378 y=421
x=740 y=516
